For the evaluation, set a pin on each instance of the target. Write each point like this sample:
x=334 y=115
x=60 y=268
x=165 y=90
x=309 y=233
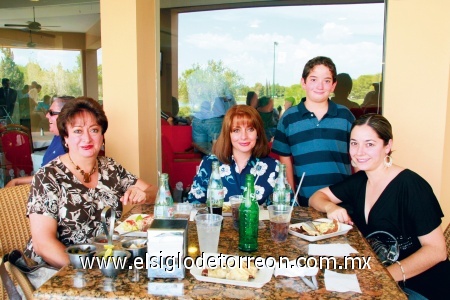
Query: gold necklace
x=86 y=176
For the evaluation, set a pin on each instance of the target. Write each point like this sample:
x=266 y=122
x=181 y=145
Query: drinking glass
x=280 y=217
x=235 y=202
x=208 y=231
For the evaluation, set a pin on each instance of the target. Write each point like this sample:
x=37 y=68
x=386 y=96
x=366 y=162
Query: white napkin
x=338 y=282
x=263 y=214
x=339 y=250
x=193 y=213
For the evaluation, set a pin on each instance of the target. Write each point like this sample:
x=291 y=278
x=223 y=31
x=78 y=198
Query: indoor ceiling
x=69 y=15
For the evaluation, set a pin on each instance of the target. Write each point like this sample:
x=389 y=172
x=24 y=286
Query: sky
x=351 y=35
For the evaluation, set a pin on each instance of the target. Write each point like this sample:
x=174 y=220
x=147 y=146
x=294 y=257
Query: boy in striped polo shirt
x=315 y=133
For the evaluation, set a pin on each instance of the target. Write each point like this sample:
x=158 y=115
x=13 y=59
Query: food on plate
x=140 y=222
x=245 y=273
x=318 y=228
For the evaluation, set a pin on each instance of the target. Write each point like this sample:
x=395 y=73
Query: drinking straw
x=298 y=190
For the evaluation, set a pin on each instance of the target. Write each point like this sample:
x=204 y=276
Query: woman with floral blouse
x=68 y=194
x=241 y=149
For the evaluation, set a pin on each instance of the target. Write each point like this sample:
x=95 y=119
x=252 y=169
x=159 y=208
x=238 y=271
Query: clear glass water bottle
x=215 y=194
x=164 y=202
x=249 y=217
x=282 y=190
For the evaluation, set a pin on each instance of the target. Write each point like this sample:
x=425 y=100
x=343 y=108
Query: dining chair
x=23 y=128
x=17 y=148
x=447 y=239
x=15 y=232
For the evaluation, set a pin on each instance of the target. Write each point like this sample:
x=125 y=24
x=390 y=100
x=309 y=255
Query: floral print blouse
x=265 y=169
x=57 y=193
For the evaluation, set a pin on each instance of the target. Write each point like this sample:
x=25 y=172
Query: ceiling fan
x=30 y=43
x=32 y=26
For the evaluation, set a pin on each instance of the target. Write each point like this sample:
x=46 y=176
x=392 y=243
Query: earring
x=65 y=145
x=388 y=160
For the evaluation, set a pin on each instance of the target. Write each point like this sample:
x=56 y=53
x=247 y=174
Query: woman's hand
x=338 y=213
x=325 y=201
x=134 y=195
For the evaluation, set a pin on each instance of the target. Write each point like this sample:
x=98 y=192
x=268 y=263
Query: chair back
x=447 y=239
x=15 y=228
x=17 y=148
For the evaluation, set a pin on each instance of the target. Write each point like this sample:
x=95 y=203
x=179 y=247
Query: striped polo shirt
x=319 y=148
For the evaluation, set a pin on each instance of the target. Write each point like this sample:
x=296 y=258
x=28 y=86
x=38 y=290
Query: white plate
x=121 y=227
x=343 y=229
x=263 y=276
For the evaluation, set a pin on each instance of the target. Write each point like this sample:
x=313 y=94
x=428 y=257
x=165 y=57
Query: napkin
x=193 y=214
x=338 y=282
x=263 y=214
x=339 y=250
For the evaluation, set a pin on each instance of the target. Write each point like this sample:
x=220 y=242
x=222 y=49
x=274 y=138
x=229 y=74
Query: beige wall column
x=417 y=90
x=130 y=43
x=91 y=73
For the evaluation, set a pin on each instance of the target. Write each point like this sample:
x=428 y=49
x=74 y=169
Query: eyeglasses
x=53 y=113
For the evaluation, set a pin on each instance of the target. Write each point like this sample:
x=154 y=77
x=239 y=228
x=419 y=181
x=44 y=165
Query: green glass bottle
x=249 y=217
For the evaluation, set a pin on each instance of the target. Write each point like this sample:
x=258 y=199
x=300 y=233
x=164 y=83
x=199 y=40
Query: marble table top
x=375 y=282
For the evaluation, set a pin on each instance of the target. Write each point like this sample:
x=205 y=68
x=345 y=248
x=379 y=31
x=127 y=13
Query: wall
x=416 y=91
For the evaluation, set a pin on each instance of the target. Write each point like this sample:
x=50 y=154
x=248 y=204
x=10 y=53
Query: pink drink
x=279 y=231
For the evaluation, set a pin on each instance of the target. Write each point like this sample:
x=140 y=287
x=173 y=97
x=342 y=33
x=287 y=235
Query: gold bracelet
x=403 y=271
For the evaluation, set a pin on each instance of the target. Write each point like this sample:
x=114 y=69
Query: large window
x=264 y=49
x=37 y=75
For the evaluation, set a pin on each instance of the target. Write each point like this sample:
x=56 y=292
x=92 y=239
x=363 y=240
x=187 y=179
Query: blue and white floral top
x=265 y=169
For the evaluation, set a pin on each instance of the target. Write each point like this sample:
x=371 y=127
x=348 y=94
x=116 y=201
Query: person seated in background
x=373 y=98
x=269 y=116
x=172 y=118
x=386 y=197
x=44 y=105
x=55 y=148
x=252 y=99
x=241 y=149
x=342 y=91
x=68 y=195
x=207 y=122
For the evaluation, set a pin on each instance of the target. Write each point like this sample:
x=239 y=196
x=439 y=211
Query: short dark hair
x=320 y=60
x=4 y=80
x=379 y=124
x=246 y=114
x=74 y=108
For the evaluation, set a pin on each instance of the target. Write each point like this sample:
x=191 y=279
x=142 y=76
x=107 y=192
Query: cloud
x=333 y=32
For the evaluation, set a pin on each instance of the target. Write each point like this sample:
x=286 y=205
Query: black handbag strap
x=8 y=284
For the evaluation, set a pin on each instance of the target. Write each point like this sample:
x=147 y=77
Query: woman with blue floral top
x=241 y=149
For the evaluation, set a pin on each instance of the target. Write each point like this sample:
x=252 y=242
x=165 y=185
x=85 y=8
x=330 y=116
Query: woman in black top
x=386 y=197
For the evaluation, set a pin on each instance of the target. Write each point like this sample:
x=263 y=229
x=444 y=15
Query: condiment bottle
x=164 y=202
x=249 y=217
x=215 y=194
x=282 y=190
